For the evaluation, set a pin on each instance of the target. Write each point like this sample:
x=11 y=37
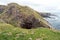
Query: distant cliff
x=46 y=15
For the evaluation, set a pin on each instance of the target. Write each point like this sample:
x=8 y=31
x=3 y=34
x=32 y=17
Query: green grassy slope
x=9 y=32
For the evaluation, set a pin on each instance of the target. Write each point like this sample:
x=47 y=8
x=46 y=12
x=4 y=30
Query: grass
x=9 y=32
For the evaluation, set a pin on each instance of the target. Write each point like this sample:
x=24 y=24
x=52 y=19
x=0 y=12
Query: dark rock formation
x=46 y=15
x=23 y=16
x=2 y=8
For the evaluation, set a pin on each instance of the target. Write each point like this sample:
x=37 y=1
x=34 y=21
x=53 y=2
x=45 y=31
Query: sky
x=38 y=5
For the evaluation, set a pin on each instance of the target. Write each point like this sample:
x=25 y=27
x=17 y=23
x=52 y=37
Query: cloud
x=39 y=5
x=1 y=3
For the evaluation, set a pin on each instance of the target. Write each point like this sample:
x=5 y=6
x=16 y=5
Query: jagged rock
x=46 y=15
x=23 y=16
x=2 y=8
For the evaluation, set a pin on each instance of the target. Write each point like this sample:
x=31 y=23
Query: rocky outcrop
x=2 y=8
x=46 y=15
x=23 y=16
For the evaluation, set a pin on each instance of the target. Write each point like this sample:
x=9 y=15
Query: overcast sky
x=39 y=5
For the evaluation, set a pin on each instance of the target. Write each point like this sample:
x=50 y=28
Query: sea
x=54 y=21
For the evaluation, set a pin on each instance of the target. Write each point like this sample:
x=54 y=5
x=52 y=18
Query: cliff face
x=23 y=16
x=46 y=15
x=2 y=8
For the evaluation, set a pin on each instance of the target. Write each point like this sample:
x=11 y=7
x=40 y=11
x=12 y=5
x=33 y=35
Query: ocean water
x=54 y=21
